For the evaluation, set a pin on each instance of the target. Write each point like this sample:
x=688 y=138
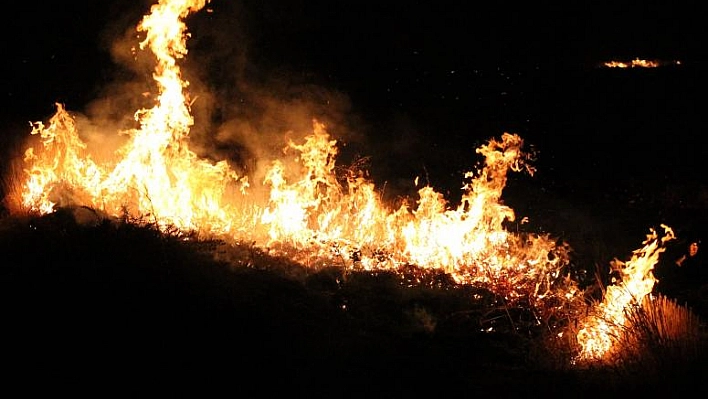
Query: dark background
x=425 y=83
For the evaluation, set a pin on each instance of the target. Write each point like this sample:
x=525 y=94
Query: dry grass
x=661 y=337
x=11 y=190
x=661 y=345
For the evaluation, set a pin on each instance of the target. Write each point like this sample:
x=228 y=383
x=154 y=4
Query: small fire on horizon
x=639 y=63
x=307 y=208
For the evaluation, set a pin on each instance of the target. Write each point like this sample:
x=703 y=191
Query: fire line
x=309 y=211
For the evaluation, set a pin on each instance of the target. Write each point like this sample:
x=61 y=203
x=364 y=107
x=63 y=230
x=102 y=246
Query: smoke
x=245 y=107
x=254 y=84
x=125 y=87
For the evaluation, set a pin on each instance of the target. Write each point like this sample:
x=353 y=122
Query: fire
x=639 y=63
x=158 y=174
x=311 y=211
x=603 y=330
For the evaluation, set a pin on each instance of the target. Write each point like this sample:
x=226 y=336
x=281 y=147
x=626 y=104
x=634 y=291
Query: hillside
x=114 y=305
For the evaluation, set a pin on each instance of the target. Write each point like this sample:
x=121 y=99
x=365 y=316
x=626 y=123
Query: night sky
x=416 y=86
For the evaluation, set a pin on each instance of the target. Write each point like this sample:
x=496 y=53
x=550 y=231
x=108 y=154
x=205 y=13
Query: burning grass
x=303 y=263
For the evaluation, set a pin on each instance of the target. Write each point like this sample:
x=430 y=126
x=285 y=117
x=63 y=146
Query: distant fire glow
x=311 y=211
x=639 y=63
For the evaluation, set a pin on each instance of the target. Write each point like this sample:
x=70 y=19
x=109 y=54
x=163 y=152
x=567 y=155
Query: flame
x=602 y=331
x=158 y=174
x=639 y=63
x=312 y=211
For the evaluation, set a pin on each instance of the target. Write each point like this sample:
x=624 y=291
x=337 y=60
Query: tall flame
x=158 y=174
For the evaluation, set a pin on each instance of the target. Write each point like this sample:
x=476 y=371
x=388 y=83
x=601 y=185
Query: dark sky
x=440 y=76
x=357 y=43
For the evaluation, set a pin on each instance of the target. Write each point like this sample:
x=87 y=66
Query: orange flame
x=639 y=63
